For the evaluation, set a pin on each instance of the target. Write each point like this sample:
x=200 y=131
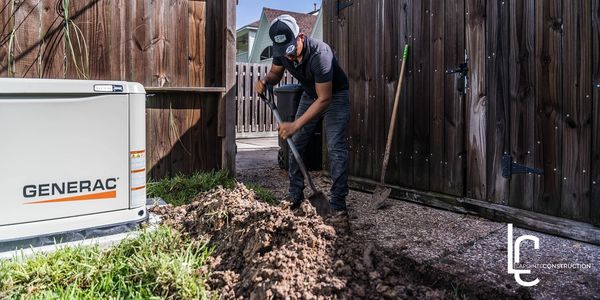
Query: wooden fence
x=179 y=49
x=532 y=99
x=253 y=116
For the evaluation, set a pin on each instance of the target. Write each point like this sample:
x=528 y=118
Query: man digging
x=325 y=95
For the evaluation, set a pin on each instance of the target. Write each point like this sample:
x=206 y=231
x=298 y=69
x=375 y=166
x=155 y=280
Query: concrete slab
x=253 y=144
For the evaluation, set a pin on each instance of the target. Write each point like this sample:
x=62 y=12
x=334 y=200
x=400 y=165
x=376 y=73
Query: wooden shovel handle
x=388 y=144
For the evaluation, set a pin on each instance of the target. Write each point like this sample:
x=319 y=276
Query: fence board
x=497 y=50
x=52 y=47
x=27 y=48
x=7 y=21
x=576 y=116
x=118 y=33
x=247 y=102
x=436 y=170
x=595 y=195
x=405 y=124
x=197 y=46
x=548 y=76
x=239 y=102
x=83 y=26
x=522 y=101
x=476 y=100
x=422 y=88
x=454 y=160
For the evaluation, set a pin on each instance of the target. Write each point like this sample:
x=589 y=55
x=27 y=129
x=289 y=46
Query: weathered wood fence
x=253 y=116
x=180 y=50
x=533 y=97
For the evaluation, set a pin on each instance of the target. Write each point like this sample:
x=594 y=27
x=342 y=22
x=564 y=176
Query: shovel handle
x=295 y=152
x=388 y=144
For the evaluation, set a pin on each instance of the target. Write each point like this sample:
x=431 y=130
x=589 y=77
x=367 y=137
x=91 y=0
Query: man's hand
x=274 y=76
x=287 y=129
x=260 y=86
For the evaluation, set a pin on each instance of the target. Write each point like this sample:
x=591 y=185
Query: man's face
x=298 y=52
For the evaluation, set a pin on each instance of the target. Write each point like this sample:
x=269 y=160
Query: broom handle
x=388 y=144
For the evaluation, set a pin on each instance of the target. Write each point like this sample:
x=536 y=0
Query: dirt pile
x=264 y=251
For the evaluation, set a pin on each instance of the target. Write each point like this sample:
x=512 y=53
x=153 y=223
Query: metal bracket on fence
x=510 y=167
x=341 y=6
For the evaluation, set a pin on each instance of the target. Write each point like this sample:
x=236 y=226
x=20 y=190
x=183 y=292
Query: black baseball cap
x=283 y=32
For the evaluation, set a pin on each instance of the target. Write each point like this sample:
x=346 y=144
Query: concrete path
x=254 y=144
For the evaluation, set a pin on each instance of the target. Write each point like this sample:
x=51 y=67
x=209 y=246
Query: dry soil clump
x=264 y=251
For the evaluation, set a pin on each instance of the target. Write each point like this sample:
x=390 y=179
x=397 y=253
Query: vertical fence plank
x=476 y=99
x=118 y=35
x=7 y=22
x=549 y=90
x=247 y=104
x=403 y=140
x=255 y=75
x=27 y=50
x=422 y=87
x=99 y=38
x=497 y=50
x=576 y=110
x=238 y=100
x=454 y=118
x=522 y=101
x=595 y=196
x=260 y=110
x=171 y=68
x=436 y=170
x=139 y=66
x=81 y=16
x=196 y=40
x=52 y=47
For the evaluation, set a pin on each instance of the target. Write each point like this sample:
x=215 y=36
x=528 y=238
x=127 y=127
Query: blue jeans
x=335 y=120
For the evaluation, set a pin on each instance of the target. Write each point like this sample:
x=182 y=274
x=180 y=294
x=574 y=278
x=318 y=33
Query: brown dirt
x=264 y=251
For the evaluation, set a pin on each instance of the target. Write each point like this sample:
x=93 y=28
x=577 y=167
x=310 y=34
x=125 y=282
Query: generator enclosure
x=72 y=155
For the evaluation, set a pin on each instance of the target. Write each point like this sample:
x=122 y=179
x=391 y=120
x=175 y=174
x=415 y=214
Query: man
x=325 y=94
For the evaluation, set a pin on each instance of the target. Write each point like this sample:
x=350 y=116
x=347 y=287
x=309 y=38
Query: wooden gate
x=428 y=151
x=532 y=100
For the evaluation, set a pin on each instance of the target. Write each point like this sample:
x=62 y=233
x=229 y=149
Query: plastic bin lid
x=289 y=88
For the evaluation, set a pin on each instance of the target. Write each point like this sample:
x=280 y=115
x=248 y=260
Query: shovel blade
x=319 y=201
x=380 y=194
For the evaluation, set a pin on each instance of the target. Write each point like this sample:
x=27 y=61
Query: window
x=267 y=53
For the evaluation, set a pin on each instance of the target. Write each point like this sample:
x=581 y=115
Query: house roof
x=254 y=24
x=306 y=22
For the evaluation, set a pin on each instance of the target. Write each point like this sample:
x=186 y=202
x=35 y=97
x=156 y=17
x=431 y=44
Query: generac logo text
x=68 y=188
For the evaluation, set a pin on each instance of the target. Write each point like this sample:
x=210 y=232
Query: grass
x=263 y=193
x=181 y=189
x=157 y=264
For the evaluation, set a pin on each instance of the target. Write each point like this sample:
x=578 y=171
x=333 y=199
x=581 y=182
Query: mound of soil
x=264 y=251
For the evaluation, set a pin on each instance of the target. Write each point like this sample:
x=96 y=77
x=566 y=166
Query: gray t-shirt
x=318 y=65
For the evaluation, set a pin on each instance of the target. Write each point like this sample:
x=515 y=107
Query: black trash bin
x=288 y=99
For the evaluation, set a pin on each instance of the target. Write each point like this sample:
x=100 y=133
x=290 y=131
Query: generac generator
x=72 y=156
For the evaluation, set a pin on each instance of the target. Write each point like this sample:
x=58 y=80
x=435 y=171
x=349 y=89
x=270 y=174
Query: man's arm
x=272 y=78
x=314 y=110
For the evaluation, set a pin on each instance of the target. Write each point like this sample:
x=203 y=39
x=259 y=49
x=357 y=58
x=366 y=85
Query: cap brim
x=279 y=49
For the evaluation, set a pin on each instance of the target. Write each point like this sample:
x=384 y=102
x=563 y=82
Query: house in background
x=254 y=44
x=245 y=41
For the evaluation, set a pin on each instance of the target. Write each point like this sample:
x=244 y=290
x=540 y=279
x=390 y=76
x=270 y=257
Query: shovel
x=317 y=199
x=382 y=192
